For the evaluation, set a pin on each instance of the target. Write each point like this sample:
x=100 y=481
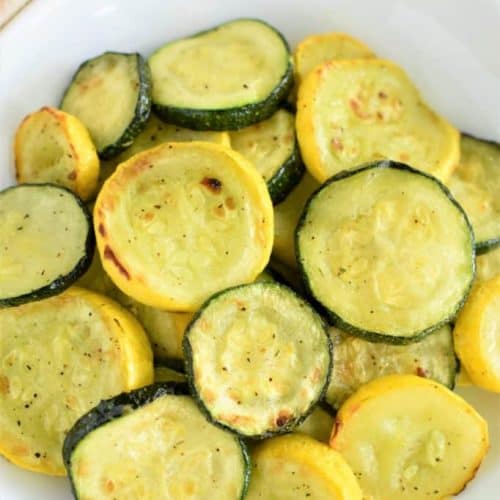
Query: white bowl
x=449 y=48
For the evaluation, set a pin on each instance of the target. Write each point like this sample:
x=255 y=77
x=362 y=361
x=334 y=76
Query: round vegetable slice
x=476 y=186
x=264 y=329
x=154 y=443
x=47 y=242
x=60 y=357
x=224 y=78
x=53 y=146
x=387 y=251
x=407 y=437
x=477 y=334
x=351 y=112
x=296 y=466
x=272 y=147
x=181 y=221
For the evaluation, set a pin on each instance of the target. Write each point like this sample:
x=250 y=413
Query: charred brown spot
x=72 y=175
x=102 y=230
x=336 y=429
x=4 y=385
x=382 y=95
x=230 y=204
x=404 y=157
x=109 y=254
x=212 y=184
x=421 y=372
x=284 y=416
x=109 y=486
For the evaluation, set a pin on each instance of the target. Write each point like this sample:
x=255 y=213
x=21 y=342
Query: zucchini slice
x=53 y=146
x=225 y=78
x=476 y=334
x=157 y=132
x=351 y=112
x=111 y=95
x=387 y=251
x=286 y=218
x=166 y=374
x=296 y=466
x=272 y=147
x=357 y=361
x=476 y=186
x=154 y=439
x=264 y=329
x=60 y=357
x=407 y=437
x=46 y=239
x=318 y=425
x=488 y=265
x=181 y=221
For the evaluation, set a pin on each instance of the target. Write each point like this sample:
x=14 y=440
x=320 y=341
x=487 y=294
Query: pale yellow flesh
x=406 y=437
x=477 y=335
x=105 y=105
x=317 y=49
x=476 y=186
x=60 y=357
x=488 y=265
x=238 y=63
x=395 y=262
x=286 y=216
x=267 y=144
x=43 y=237
x=317 y=425
x=165 y=449
x=181 y=221
x=352 y=112
x=358 y=361
x=295 y=466
x=155 y=133
x=53 y=146
x=165 y=374
x=264 y=330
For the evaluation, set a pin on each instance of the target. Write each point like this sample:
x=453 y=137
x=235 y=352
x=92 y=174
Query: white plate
x=449 y=48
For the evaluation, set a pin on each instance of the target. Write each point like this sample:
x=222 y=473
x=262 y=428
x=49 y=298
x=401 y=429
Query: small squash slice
x=317 y=49
x=356 y=361
x=60 y=357
x=47 y=242
x=257 y=358
x=407 y=437
x=164 y=373
x=153 y=443
x=317 y=425
x=286 y=217
x=297 y=466
x=272 y=147
x=53 y=146
x=488 y=265
x=111 y=95
x=224 y=78
x=476 y=186
x=181 y=221
x=477 y=335
x=157 y=132
x=351 y=112
x=387 y=251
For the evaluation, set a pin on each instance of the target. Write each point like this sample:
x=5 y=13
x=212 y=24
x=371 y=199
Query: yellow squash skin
x=53 y=146
x=59 y=358
x=296 y=466
x=178 y=222
x=407 y=437
x=477 y=335
x=352 y=112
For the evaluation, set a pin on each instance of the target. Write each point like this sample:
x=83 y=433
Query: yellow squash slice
x=296 y=466
x=59 y=358
x=181 y=221
x=407 y=437
x=477 y=335
x=352 y=112
x=54 y=146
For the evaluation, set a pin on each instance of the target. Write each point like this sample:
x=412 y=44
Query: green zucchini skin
x=333 y=318
x=64 y=281
x=114 y=408
x=142 y=108
x=236 y=117
x=290 y=426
